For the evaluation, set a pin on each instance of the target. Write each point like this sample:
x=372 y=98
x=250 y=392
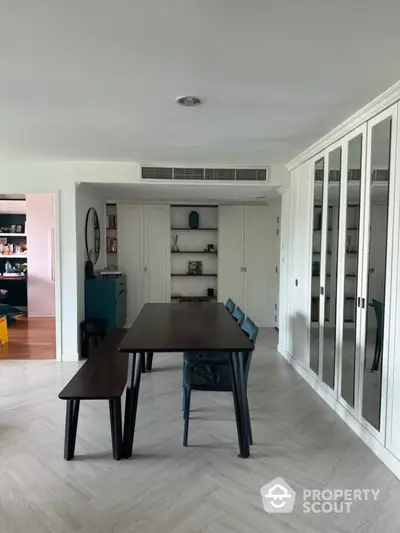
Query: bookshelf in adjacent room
x=111 y=236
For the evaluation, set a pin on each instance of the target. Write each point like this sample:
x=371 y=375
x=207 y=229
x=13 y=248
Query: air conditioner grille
x=251 y=174
x=220 y=174
x=209 y=174
x=188 y=173
x=157 y=173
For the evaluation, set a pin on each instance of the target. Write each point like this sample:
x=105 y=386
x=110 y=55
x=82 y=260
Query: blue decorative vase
x=194 y=220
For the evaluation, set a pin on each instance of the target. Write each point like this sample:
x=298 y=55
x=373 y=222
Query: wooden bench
x=102 y=377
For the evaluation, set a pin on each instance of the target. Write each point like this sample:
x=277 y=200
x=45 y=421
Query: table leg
x=71 y=424
x=131 y=402
x=149 y=361
x=244 y=407
x=236 y=403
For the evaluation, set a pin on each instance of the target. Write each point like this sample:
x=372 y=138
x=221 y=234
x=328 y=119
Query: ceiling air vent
x=205 y=174
x=188 y=174
x=220 y=174
x=251 y=174
x=157 y=173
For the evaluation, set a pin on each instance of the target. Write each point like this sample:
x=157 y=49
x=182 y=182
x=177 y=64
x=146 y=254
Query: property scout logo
x=279 y=497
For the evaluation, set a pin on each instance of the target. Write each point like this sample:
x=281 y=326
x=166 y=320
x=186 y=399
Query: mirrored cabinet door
x=331 y=264
x=351 y=267
x=316 y=263
x=373 y=301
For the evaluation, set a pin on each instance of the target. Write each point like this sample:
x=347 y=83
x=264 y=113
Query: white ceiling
x=183 y=193
x=97 y=79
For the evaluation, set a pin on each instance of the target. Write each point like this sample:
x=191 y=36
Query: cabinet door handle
x=358 y=302
x=321 y=291
x=363 y=303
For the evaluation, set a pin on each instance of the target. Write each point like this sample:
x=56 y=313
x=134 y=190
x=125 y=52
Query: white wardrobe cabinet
x=244 y=269
x=144 y=254
x=344 y=280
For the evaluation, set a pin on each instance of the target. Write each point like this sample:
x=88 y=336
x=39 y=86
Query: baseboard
x=264 y=324
x=377 y=447
x=30 y=315
x=69 y=357
x=286 y=355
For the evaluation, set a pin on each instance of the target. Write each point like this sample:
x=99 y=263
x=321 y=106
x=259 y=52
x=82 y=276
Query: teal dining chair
x=230 y=305
x=238 y=315
x=210 y=371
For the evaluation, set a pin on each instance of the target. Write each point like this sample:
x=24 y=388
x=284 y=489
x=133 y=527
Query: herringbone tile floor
x=166 y=488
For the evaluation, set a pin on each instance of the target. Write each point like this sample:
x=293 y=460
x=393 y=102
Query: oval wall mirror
x=92 y=235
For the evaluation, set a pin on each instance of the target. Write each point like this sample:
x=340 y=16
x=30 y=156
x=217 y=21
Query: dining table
x=186 y=328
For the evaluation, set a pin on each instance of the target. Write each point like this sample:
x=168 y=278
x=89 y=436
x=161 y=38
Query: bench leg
x=116 y=427
x=131 y=402
x=149 y=361
x=71 y=425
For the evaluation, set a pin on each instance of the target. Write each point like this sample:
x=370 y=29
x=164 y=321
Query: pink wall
x=40 y=239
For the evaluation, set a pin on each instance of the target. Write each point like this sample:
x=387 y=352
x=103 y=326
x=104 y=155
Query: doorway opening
x=27 y=277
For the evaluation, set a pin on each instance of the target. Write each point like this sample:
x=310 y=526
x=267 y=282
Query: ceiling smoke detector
x=188 y=101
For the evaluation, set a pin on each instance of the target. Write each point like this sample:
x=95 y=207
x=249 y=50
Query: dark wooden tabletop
x=185 y=327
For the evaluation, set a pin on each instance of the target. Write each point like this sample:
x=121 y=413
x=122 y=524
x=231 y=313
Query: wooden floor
x=31 y=338
x=165 y=488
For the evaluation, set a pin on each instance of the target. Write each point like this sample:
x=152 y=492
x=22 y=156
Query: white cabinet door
x=157 y=253
x=131 y=256
x=230 y=253
x=256 y=266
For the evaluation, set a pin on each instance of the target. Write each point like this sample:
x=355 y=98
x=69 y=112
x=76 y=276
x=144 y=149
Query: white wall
x=40 y=239
x=59 y=178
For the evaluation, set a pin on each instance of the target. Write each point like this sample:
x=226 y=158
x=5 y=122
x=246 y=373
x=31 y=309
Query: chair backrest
x=230 y=305
x=251 y=331
x=238 y=315
x=378 y=308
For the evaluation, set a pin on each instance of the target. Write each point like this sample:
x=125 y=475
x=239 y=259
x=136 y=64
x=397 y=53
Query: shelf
x=329 y=229
x=13 y=235
x=195 y=275
x=194 y=229
x=15 y=256
x=111 y=253
x=329 y=275
x=191 y=298
x=111 y=229
x=328 y=298
x=195 y=206
x=193 y=252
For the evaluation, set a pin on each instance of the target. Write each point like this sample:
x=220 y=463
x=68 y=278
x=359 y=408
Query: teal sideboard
x=106 y=298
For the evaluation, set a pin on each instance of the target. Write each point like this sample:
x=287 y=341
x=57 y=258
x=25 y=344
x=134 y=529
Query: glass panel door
x=316 y=264
x=376 y=233
x=331 y=264
x=351 y=269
